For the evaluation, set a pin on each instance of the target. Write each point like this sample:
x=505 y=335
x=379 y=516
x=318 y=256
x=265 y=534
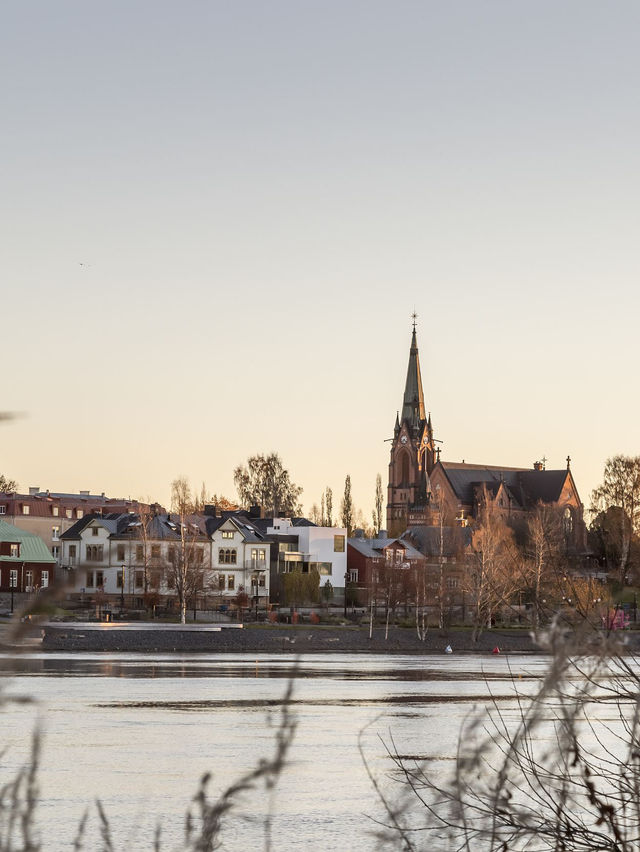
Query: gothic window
x=567 y=521
x=405 y=468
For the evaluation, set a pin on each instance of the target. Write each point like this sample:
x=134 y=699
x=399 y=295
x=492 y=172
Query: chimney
x=538 y=466
x=359 y=533
x=255 y=512
x=382 y=534
x=33 y=490
x=210 y=511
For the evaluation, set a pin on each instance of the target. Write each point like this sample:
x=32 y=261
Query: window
x=15 y=550
x=94 y=530
x=338 y=544
x=72 y=551
x=119 y=578
x=155 y=551
x=258 y=554
x=139 y=553
x=353 y=575
x=99 y=579
x=55 y=533
x=3 y=510
x=227 y=556
x=172 y=554
x=452 y=583
x=13 y=578
x=55 y=511
x=261 y=581
x=171 y=581
x=44 y=579
x=25 y=510
x=198 y=556
x=567 y=521
x=231 y=582
x=28 y=579
x=79 y=513
x=227 y=533
x=139 y=579
x=95 y=552
x=69 y=514
x=120 y=553
x=89 y=580
x=55 y=551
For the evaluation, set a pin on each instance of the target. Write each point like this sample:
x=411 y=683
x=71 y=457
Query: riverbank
x=275 y=639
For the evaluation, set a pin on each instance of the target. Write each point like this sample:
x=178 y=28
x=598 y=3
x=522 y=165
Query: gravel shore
x=275 y=639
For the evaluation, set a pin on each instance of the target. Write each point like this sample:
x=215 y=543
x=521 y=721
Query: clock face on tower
x=403 y=440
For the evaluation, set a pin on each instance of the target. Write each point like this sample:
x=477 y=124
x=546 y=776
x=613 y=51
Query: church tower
x=412 y=453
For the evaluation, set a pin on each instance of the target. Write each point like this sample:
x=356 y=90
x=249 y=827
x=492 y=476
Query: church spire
x=413 y=403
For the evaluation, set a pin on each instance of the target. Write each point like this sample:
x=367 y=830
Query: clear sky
x=217 y=218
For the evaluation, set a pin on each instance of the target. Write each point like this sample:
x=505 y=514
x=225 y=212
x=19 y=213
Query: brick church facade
x=422 y=487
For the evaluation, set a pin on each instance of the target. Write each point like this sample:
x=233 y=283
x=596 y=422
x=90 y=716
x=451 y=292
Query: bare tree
x=187 y=563
x=545 y=552
x=315 y=515
x=621 y=489
x=490 y=578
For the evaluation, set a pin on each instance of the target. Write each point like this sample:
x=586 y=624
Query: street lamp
x=255 y=579
x=346 y=580
x=13 y=576
x=122 y=590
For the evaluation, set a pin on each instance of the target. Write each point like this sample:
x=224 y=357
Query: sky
x=218 y=217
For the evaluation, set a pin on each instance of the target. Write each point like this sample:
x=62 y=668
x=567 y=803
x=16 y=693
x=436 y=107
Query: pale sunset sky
x=218 y=217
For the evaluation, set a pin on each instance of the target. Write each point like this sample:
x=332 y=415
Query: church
x=424 y=490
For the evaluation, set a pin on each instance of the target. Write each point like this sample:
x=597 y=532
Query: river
x=138 y=731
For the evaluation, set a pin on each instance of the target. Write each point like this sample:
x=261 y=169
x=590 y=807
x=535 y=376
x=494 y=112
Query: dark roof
x=374 y=547
x=527 y=487
x=427 y=539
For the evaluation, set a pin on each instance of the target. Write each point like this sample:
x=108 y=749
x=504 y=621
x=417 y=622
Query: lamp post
x=346 y=580
x=122 y=590
x=255 y=580
x=13 y=576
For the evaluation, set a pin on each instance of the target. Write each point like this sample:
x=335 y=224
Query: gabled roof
x=374 y=548
x=32 y=547
x=526 y=487
x=427 y=539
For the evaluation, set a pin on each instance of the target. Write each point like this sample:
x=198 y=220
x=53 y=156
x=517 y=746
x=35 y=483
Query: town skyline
x=218 y=221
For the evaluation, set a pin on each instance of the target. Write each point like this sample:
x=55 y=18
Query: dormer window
x=94 y=530
x=228 y=533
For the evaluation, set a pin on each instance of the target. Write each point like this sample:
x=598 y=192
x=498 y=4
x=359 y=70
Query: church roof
x=413 y=403
x=526 y=486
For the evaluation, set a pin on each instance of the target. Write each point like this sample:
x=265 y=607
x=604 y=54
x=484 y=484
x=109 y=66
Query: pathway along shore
x=275 y=639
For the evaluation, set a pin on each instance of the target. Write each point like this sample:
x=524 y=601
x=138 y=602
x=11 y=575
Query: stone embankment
x=275 y=639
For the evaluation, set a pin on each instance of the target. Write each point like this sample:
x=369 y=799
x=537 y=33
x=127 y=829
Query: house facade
x=49 y=514
x=142 y=560
x=26 y=565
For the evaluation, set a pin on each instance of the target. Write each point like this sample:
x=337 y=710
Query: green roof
x=32 y=547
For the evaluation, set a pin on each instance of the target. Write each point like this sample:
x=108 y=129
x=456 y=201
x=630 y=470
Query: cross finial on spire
x=414 y=317
x=568 y=462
